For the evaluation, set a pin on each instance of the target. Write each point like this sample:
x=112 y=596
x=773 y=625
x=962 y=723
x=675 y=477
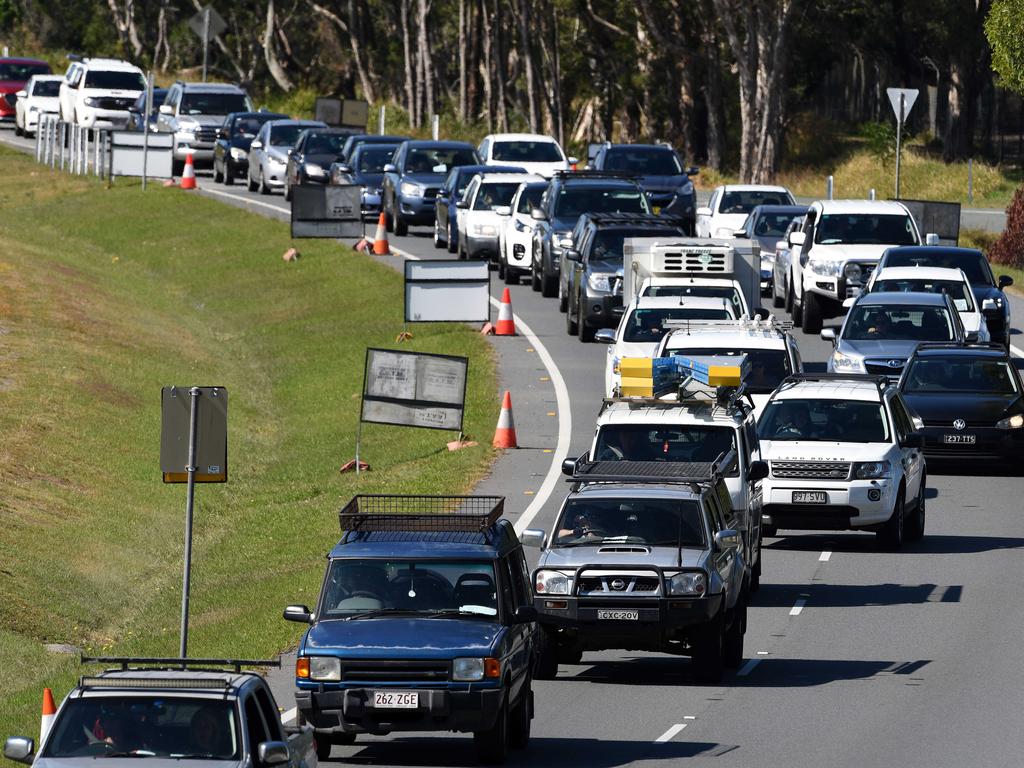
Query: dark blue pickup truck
x=425 y=622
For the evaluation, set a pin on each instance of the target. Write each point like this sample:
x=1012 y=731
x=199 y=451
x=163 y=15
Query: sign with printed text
x=414 y=389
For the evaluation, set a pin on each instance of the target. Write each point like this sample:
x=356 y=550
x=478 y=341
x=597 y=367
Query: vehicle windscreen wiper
x=377 y=612
x=448 y=613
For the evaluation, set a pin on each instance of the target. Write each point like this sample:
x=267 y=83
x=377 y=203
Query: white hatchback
x=40 y=96
x=533 y=152
x=729 y=206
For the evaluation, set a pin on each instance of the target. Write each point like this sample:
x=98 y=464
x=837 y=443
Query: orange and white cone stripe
x=188 y=178
x=380 y=240
x=506 y=325
x=46 y=720
x=505 y=434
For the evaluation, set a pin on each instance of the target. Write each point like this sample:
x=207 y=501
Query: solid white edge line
x=1017 y=351
x=247 y=200
x=670 y=733
x=825 y=556
x=287 y=717
x=747 y=668
x=563 y=409
x=796 y=609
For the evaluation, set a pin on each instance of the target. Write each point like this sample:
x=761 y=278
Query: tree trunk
x=487 y=67
x=463 y=105
x=410 y=95
x=270 y=55
x=426 y=69
x=124 y=22
x=956 y=143
x=162 y=50
x=500 y=59
x=525 y=12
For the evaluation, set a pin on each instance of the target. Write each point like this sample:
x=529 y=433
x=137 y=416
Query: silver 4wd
x=641 y=558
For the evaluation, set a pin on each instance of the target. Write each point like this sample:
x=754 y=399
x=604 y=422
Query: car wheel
x=177 y=167
x=732 y=650
x=287 y=191
x=453 y=244
x=914 y=528
x=218 y=175
x=755 y=574
x=229 y=174
x=389 y=219
x=891 y=534
x=812 y=313
x=17 y=129
x=797 y=312
x=546 y=667
x=324 y=745
x=264 y=189
x=777 y=299
x=548 y=286
x=401 y=227
x=770 y=531
x=250 y=183
x=586 y=331
x=563 y=296
x=708 y=659
x=438 y=242
x=534 y=278
x=511 y=276
x=492 y=744
x=520 y=719
x=501 y=269
x=571 y=327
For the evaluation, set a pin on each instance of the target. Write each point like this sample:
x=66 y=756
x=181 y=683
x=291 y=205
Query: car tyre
x=287 y=191
x=769 y=530
x=401 y=227
x=548 y=285
x=708 y=657
x=755 y=573
x=492 y=744
x=438 y=242
x=812 y=311
x=732 y=649
x=229 y=174
x=263 y=188
x=218 y=176
x=914 y=527
x=521 y=718
x=511 y=276
x=892 y=533
x=563 y=297
x=798 y=313
x=777 y=300
x=546 y=667
x=571 y=326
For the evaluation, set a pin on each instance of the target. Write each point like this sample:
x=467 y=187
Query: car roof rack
x=592 y=174
x=692 y=473
x=634 y=218
x=132 y=662
x=429 y=514
x=769 y=327
x=992 y=346
x=882 y=382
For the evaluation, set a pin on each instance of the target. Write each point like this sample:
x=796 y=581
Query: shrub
x=1009 y=248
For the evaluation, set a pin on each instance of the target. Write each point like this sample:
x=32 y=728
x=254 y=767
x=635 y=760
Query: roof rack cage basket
x=388 y=512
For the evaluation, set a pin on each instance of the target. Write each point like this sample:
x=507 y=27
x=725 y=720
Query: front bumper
x=600 y=310
x=103 y=119
x=274 y=173
x=201 y=152
x=370 y=205
x=351 y=711
x=482 y=246
x=416 y=210
x=996 y=322
x=851 y=504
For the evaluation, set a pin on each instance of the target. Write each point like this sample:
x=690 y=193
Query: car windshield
x=705 y=291
x=46 y=88
x=650 y=324
x=865 y=229
x=530 y=198
x=576 y=200
x=373 y=159
x=213 y=103
x=905 y=323
x=495 y=194
x=834 y=421
x=955 y=374
x=426 y=160
x=145 y=726
x=527 y=152
x=957 y=290
x=973 y=264
x=608 y=243
x=772 y=224
x=325 y=143
x=656 y=522
x=643 y=162
x=768 y=367
x=693 y=442
x=114 y=80
x=16 y=72
x=744 y=201
x=356 y=586
x=285 y=135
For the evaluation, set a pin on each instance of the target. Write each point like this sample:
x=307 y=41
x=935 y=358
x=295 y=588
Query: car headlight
x=853 y=272
x=826 y=268
x=312 y=169
x=600 y=281
x=237 y=153
x=551 y=583
x=89 y=101
x=410 y=189
x=686 y=189
x=871 y=470
x=467 y=670
x=483 y=230
x=841 y=362
x=725 y=233
x=689 y=584
x=1012 y=422
x=324 y=668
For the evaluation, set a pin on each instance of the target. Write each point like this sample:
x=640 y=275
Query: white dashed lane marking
x=670 y=733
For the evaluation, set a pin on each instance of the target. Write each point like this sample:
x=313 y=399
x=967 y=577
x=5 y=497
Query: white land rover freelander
x=843 y=455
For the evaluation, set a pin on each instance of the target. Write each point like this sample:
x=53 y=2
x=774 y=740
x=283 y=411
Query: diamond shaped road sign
x=217 y=23
x=909 y=97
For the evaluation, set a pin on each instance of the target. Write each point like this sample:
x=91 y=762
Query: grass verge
x=105 y=296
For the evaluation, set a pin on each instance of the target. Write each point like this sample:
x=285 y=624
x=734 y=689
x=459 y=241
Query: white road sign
x=909 y=97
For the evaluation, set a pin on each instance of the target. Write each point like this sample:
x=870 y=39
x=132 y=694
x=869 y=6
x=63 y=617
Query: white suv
x=96 y=93
x=835 y=249
x=843 y=455
x=533 y=152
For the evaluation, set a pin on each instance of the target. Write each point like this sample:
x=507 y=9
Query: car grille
x=612 y=584
x=395 y=671
x=948 y=424
x=882 y=367
x=206 y=133
x=112 y=102
x=811 y=470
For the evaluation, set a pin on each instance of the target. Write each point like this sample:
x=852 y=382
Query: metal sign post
x=206 y=24
x=145 y=128
x=190 y=495
x=902 y=100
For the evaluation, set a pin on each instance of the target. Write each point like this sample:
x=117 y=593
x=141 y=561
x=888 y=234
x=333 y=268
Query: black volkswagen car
x=970 y=399
x=231 y=152
x=988 y=291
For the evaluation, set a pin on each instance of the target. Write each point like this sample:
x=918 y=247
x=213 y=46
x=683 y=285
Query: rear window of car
x=898 y=323
x=527 y=152
x=325 y=143
x=576 y=200
x=958 y=291
x=865 y=229
x=114 y=80
x=214 y=103
x=426 y=160
x=973 y=264
x=744 y=201
x=646 y=162
x=17 y=72
x=494 y=194
x=372 y=159
x=645 y=325
x=530 y=199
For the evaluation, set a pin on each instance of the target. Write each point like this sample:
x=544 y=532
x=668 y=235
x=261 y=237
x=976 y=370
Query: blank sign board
x=447 y=291
x=413 y=389
x=127 y=148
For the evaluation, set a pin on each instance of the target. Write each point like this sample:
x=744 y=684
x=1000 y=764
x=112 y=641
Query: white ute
x=96 y=93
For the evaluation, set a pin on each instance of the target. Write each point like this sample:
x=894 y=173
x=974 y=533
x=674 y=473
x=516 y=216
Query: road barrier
x=102 y=153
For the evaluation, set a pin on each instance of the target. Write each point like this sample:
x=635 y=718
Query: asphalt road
x=855 y=657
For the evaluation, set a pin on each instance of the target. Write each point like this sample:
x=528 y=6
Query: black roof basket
x=882 y=382
x=430 y=514
x=132 y=662
x=692 y=473
x=592 y=174
x=993 y=346
x=634 y=218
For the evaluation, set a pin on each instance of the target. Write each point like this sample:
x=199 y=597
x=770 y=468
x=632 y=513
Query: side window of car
x=750 y=433
x=724 y=501
x=798 y=363
x=713 y=204
x=509 y=595
x=254 y=725
x=714 y=514
x=900 y=418
x=522 y=572
x=271 y=718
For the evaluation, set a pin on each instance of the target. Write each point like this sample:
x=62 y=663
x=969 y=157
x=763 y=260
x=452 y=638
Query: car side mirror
x=828 y=334
x=166 y=109
x=537 y=215
x=571 y=254
x=728 y=539
x=740 y=233
x=272 y=752
x=1005 y=281
x=299 y=613
x=503 y=210
x=20 y=749
x=849 y=302
x=390 y=168
x=524 y=614
x=693 y=170
x=605 y=336
x=913 y=440
x=569 y=466
x=21 y=94
x=256 y=144
x=572 y=160
x=797 y=239
x=533 y=537
x=703 y=211
x=758 y=471
x=462 y=204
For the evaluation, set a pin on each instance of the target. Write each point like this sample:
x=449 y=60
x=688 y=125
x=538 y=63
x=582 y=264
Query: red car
x=14 y=73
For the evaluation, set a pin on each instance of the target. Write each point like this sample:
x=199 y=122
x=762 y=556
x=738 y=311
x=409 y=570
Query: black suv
x=571 y=194
x=661 y=174
x=590 y=286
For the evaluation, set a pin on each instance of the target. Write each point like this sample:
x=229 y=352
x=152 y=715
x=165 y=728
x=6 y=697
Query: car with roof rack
x=425 y=622
x=968 y=400
x=843 y=454
x=642 y=557
x=206 y=712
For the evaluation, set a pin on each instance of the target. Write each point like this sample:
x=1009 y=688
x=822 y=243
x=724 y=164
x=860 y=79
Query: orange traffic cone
x=49 y=710
x=505 y=326
x=505 y=434
x=188 y=178
x=380 y=240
